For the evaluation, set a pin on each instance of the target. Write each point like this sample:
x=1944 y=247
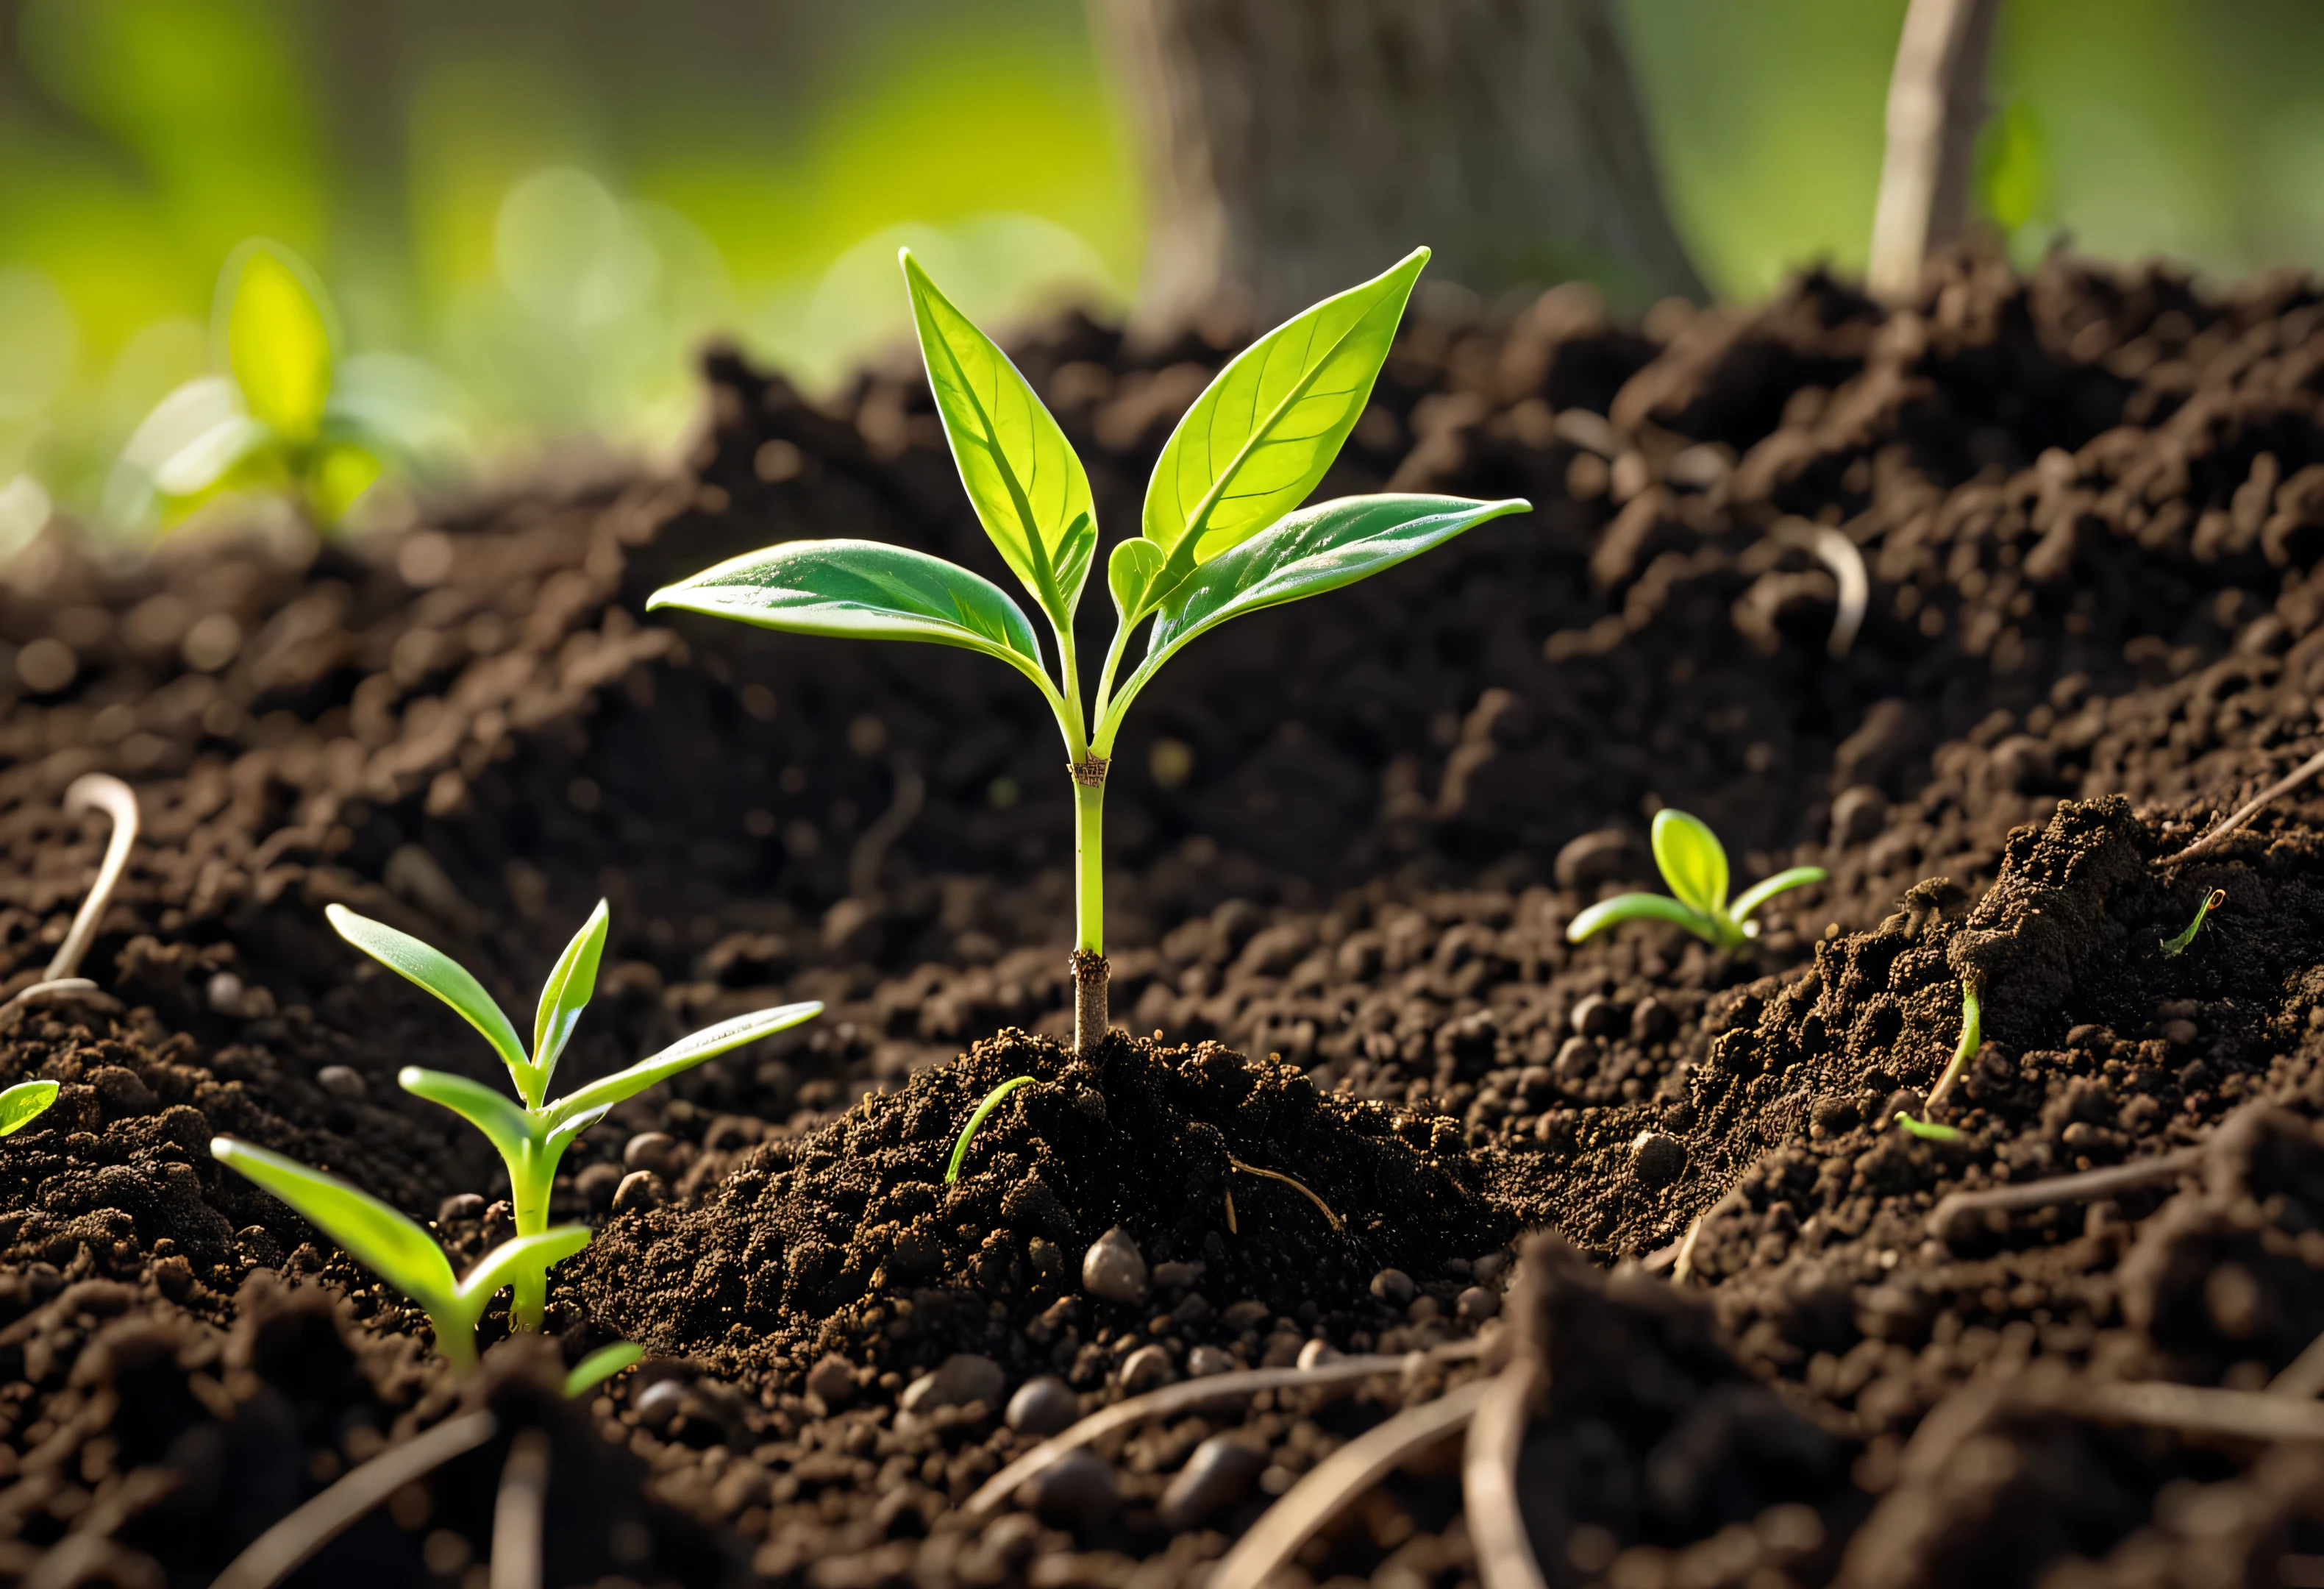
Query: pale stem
x=529 y=1189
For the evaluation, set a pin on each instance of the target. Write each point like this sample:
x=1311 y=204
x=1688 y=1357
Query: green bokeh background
x=545 y=204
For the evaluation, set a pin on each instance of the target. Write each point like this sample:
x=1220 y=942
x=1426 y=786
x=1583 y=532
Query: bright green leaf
x=567 y=992
x=206 y=460
x=863 y=590
x=1316 y=550
x=397 y=1249
x=1694 y=861
x=1028 y=487
x=22 y=1104
x=682 y=1055
x=1767 y=888
x=509 y=1127
x=1260 y=437
x=601 y=1366
x=1622 y=908
x=1130 y=573
x=338 y=477
x=440 y=974
x=279 y=343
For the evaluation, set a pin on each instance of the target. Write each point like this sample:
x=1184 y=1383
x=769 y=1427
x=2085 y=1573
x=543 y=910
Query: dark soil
x=1346 y=838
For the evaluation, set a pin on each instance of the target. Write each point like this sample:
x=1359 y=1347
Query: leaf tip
x=222 y=1148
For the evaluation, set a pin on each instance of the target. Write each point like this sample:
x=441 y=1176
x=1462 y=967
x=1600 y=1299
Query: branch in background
x=1936 y=104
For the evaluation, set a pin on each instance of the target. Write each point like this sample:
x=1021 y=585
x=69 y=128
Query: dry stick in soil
x=280 y=1551
x=517 y=1513
x=1173 y=1399
x=1222 y=534
x=1276 y=1175
x=1936 y=102
x=92 y=791
x=2303 y=1376
x=2250 y=808
x=2065 y=1188
x=1488 y=1483
x=1340 y=1478
x=2200 y=1409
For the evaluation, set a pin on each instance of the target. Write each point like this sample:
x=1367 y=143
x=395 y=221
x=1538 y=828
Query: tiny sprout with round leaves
x=1693 y=864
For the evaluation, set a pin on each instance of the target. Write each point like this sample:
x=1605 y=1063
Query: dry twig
x=2200 y=1409
x=518 y=1512
x=2250 y=808
x=1339 y=1479
x=280 y=1551
x=1173 y=1399
x=2303 y=1376
x=1277 y=1175
x=1936 y=103
x=1488 y=1483
x=2063 y=1189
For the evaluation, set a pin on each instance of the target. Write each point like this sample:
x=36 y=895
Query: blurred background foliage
x=529 y=212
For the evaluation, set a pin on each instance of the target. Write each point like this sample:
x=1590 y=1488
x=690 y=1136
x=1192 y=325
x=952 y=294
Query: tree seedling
x=273 y=423
x=1693 y=864
x=531 y=1134
x=1222 y=535
x=992 y=1100
x=400 y=1248
x=2175 y=947
x=1972 y=1038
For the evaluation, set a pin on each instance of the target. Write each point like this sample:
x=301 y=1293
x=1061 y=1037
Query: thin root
x=2250 y=808
x=2063 y=1189
x=1340 y=1478
x=92 y=791
x=1488 y=1483
x=1277 y=1175
x=280 y=1551
x=1173 y=1399
x=518 y=1512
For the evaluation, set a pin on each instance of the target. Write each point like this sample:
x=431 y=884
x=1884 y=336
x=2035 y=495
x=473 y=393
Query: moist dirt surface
x=1366 y=1099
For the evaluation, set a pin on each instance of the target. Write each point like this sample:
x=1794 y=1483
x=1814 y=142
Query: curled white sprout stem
x=1488 y=1483
x=92 y=791
x=1340 y=1478
x=1837 y=553
x=283 y=1548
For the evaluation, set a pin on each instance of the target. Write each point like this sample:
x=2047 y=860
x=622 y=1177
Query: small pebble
x=596 y=1185
x=1576 y=1058
x=1393 y=1287
x=1598 y=1016
x=1075 y=1491
x=1177 y=1275
x=659 y=1402
x=1247 y=1315
x=1219 y=1474
x=1205 y=1361
x=832 y=1381
x=122 y=1091
x=1477 y=1304
x=340 y=1081
x=650 y=1150
x=1316 y=1352
x=1114 y=1267
x=1044 y=1405
x=639 y=1189
x=1146 y=1369
x=1489 y=1268
x=2180 y=1034
x=225 y=994
x=961 y=1379
x=1651 y=1020
x=458 y=1206
x=1656 y=1159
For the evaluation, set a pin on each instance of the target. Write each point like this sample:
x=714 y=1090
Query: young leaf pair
x=530 y=1133
x=280 y=418
x=1693 y=864
x=1222 y=535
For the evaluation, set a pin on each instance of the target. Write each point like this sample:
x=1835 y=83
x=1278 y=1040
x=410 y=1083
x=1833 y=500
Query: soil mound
x=847 y=1238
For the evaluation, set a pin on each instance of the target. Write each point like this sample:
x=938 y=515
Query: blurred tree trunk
x=1293 y=147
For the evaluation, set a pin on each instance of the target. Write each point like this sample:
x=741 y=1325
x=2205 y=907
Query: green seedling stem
x=1222 y=534
x=398 y=1248
x=1972 y=1038
x=533 y=1134
x=1693 y=864
x=992 y=1100
x=601 y=1366
x=2172 y=947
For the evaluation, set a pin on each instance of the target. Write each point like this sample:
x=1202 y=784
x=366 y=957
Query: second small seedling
x=1693 y=864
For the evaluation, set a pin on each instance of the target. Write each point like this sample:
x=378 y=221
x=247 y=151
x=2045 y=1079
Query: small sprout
x=400 y=1248
x=91 y=791
x=533 y=1134
x=1222 y=534
x=1972 y=1038
x=1693 y=864
x=992 y=1100
x=2172 y=947
x=24 y=1103
x=1927 y=1131
x=599 y=1366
